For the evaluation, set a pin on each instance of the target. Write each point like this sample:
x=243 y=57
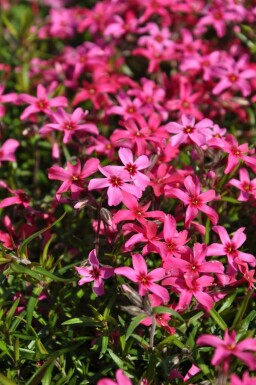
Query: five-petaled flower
x=228 y=347
x=95 y=273
x=145 y=280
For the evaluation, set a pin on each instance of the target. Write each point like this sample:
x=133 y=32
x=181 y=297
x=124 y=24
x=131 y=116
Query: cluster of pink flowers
x=148 y=147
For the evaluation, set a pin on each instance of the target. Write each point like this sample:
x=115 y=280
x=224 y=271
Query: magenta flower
x=195 y=200
x=69 y=124
x=235 y=152
x=230 y=247
x=174 y=241
x=135 y=211
x=121 y=378
x=245 y=185
x=189 y=131
x=191 y=286
x=7 y=98
x=235 y=75
x=133 y=167
x=246 y=380
x=74 y=176
x=8 y=149
x=194 y=263
x=228 y=347
x=145 y=280
x=19 y=197
x=95 y=273
x=117 y=179
x=41 y=103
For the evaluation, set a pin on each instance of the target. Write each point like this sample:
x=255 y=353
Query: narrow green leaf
x=167 y=310
x=24 y=244
x=135 y=322
x=45 y=251
x=39 y=374
x=116 y=359
x=6 y=381
x=88 y=321
x=227 y=302
x=48 y=274
x=242 y=309
x=218 y=319
x=32 y=304
x=231 y=200
x=12 y=311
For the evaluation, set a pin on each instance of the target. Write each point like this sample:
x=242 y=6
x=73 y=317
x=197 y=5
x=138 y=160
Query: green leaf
x=242 y=309
x=167 y=310
x=6 y=381
x=39 y=374
x=227 y=302
x=88 y=321
x=135 y=322
x=116 y=359
x=231 y=200
x=32 y=304
x=24 y=244
x=218 y=319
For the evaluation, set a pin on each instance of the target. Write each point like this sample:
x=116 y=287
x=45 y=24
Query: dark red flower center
x=95 y=273
x=195 y=201
x=233 y=78
x=69 y=125
x=230 y=248
x=131 y=168
x=115 y=181
x=42 y=104
x=188 y=129
x=144 y=279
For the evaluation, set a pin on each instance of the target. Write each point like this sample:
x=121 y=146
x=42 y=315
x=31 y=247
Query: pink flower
x=247 y=186
x=194 y=263
x=174 y=241
x=235 y=152
x=117 y=179
x=41 y=103
x=135 y=211
x=195 y=200
x=121 y=378
x=246 y=380
x=235 y=75
x=191 y=286
x=229 y=347
x=133 y=168
x=230 y=247
x=73 y=176
x=189 y=131
x=7 y=98
x=95 y=273
x=8 y=149
x=19 y=197
x=69 y=124
x=145 y=280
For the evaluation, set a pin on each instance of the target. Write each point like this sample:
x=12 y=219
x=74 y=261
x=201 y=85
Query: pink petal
x=125 y=155
x=139 y=264
x=127 y=272
x=239 y=237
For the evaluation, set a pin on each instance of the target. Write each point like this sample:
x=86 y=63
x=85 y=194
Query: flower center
x=131 y=110
x=188 y=129
x=159 y=38
x=92 y=91
x=235 y=151
x=95 y=273
x=186 y=104
x=171 y=245
x=42 y=104
x=132 y=168
x=230 y=248
x=115 y=181
x=217 y=15
x=195 y=201
x=247 y=186
x=69 y=126
x=144 y=279
x=233 y=78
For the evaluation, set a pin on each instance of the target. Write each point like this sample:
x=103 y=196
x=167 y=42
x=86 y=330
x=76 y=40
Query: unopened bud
x=81 y=204
x=133 y=310
x=132 y=295
x=106 y=216
x=147 y=305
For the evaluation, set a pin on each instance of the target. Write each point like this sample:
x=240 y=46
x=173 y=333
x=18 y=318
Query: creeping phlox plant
x=128 y=192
